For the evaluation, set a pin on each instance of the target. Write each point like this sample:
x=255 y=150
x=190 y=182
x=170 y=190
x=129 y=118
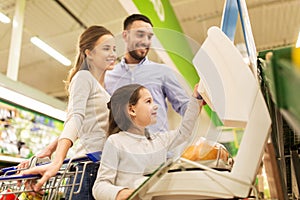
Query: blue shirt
x=159 y=79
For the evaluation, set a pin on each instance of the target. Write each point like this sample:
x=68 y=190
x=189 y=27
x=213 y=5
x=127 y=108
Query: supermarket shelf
x=10 y=159
x=30 y=98
x=292 y=120
x=281 y=78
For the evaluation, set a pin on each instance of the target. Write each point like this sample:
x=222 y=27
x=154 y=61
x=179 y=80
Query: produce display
x=24 y=132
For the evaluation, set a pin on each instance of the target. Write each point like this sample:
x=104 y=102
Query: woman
x=87 y=114
x=130 y=150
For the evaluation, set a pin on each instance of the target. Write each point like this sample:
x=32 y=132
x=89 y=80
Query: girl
x=130 y=151
x=87 y=114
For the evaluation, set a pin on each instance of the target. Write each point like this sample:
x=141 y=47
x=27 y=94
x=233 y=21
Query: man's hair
x=135 y=17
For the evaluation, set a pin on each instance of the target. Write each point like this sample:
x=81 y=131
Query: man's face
x=138 y=39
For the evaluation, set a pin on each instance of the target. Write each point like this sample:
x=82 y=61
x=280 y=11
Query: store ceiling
x=274 y=23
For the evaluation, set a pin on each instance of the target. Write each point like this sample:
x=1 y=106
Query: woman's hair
x=87 y=40
x=122 y=98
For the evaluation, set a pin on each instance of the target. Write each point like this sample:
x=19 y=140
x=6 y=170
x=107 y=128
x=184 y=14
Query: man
x=135 y=67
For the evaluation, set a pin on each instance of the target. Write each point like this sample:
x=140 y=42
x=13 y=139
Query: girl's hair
x=125 y=96
x=87 y=40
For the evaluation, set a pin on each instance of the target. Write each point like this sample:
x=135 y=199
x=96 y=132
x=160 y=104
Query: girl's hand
x=198 y=96
x=124 y=194
x=195 y=92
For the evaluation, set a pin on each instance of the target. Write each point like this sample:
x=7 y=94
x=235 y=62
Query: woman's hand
x=47 y=171
x=24 y=164
x=44 y=155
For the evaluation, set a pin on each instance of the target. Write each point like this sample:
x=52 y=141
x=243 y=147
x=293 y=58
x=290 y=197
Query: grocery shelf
x=7 y=161
x=280 y=77
x=10 y=159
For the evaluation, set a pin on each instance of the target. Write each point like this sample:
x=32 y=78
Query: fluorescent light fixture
x=298 y=41
x=49 y=50
x=32 y=104
x=4 y=19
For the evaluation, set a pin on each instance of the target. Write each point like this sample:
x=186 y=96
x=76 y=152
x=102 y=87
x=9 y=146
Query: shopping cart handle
x=33 y=161
x=3 y=170
x=94 y=157
x=20 y=177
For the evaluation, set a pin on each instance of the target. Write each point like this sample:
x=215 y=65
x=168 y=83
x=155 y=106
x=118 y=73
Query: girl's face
x=144 y=112
x=103 y=55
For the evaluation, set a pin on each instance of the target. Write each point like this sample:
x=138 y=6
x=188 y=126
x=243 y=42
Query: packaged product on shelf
x=209 y=153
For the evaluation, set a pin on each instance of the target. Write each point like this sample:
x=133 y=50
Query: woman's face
x=103 y=55
x=144 y=112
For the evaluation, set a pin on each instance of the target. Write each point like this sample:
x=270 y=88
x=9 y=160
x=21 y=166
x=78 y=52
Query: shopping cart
x=68 y=180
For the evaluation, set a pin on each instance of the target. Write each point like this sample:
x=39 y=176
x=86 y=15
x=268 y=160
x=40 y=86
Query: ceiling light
x=31 y=103
x=49 y=50
x=4 y=19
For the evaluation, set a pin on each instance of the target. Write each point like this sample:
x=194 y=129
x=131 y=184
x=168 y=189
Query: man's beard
x=137 y=57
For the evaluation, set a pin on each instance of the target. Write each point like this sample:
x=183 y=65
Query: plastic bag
x=209 y=153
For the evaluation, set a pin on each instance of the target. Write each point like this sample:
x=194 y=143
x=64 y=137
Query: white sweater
x=126 y=157
x=87 y=114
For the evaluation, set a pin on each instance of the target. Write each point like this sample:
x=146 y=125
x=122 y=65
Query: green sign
x=167 y=29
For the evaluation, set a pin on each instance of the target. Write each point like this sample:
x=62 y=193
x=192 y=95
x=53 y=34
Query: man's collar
x=124 y=64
